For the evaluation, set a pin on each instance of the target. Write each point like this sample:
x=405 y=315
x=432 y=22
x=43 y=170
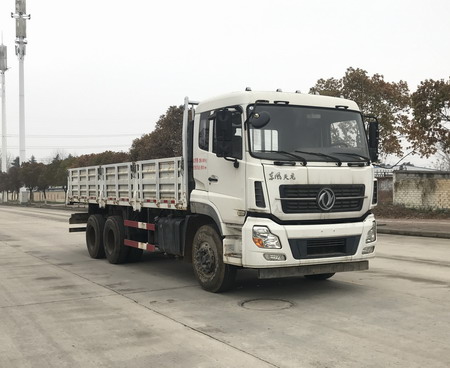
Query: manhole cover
x=266 y=304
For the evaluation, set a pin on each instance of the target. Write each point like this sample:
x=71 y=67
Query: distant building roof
x=385 y=170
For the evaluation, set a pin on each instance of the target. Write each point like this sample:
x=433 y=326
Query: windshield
x=311 y=134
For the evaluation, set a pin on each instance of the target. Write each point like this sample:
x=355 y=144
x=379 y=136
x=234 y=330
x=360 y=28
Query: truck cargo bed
x=150 y=183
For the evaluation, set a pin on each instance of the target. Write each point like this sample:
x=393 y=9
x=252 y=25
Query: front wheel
x=207 y=259
x=320 y=276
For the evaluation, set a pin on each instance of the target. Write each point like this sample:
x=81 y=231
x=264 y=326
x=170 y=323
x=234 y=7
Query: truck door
x=221 y=172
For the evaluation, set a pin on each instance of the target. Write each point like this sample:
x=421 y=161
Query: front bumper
x=254 y=257
x=271 y=273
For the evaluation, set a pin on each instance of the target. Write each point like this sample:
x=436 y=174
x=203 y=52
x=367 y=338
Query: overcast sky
x=110 y=68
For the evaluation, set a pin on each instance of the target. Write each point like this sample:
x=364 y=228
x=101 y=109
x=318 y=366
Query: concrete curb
x=426 y=234
x=58 y=207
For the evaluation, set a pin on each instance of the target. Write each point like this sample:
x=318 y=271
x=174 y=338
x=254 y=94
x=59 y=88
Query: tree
x=164 y=141
x=14 y=181
x=29 y=175
x=443 y=161
x=16 y=162
x=44 y=180
x=328 y=87
x=94 y=159
x=429 y=131
x=57 y=171
x=4 y=182
x=388 y=101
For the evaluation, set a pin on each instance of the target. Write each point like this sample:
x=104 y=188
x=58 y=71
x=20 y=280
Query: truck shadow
x=247 y=282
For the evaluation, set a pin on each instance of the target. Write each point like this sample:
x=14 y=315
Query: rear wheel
x=94 y=236
x=113 y=238
x=320 y=276
x=207 y=259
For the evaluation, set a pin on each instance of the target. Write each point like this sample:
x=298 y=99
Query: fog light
x=263 y=238
x=274 y=257
x=368 y=250
x=372 y=233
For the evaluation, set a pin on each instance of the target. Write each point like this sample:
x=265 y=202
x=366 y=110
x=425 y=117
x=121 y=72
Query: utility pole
x=21 y=18
x=3 y=69
x=21 y=41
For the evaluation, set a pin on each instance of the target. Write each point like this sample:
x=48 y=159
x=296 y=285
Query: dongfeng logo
x=326 y=199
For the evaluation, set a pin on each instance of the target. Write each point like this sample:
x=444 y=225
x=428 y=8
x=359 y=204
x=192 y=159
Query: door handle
x=213 y=178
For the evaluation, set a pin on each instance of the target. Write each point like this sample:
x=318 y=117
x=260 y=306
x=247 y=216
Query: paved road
x=59 y=308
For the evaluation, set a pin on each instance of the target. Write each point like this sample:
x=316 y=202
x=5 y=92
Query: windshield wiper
x=297 y=157
x=339 y=162
x=284 y=163
x=354 y=155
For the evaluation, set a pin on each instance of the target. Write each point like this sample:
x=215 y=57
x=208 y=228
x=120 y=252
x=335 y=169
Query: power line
x=72 y=147
x=75 y=135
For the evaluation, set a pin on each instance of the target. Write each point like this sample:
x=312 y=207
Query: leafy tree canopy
x=15 y=162
x=4 y=182
x=14 y=180
x=429 y=131
x=164 y=141
x=94 y=159
x=29 y=174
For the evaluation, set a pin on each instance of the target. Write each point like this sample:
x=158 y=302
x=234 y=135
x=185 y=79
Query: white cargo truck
x=278 y=182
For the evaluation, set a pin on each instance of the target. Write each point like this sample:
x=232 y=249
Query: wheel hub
x=205 y=259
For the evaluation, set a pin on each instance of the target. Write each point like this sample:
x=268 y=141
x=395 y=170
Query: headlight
x=263 y=238
x=372 y=233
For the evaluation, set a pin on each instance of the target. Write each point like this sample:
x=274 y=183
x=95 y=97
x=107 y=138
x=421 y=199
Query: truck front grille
x=324 y=247
x=303 y=198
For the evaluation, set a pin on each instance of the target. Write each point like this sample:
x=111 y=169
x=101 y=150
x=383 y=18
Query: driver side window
x=203 y=131
x=235 y=145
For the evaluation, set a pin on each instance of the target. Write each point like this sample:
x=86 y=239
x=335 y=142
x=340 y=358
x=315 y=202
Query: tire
x=207 y=260
x=320 y=276
x=94 y=236
x=134 y=254
x=113 y=237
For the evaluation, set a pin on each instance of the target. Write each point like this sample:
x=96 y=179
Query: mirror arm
x=233 y=160
x=246 y=122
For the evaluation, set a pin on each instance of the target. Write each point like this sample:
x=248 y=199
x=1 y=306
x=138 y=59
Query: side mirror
x=259 y=119
x=224 y=132
x=374 y=135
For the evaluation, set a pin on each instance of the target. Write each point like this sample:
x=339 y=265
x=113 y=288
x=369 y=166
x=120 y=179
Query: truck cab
x=288 y=180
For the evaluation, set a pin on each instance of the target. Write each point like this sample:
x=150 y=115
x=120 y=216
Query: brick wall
x=422 y=189
x=385 y=189
x=55 y=196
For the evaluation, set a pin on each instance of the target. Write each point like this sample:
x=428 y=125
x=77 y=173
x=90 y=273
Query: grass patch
x=385 y=210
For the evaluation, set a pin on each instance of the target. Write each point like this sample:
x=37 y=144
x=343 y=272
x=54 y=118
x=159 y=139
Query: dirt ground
x=389 y=210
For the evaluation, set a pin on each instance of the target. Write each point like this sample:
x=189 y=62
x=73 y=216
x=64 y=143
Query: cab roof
x=250 y=97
